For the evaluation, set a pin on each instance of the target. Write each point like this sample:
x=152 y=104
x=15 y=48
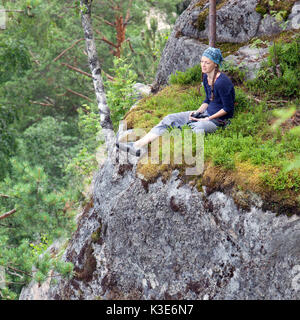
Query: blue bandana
x=213 y=54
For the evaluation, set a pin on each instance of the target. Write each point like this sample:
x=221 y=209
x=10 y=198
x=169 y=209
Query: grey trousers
x=177 y=120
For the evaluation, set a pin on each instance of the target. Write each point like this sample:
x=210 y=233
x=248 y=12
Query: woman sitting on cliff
x=214 y=112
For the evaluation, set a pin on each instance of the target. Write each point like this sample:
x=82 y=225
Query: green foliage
x=23 y=264
x=190 y=76
x=257 y=43
x=42 y=214
x=291 y=138
x=84 y=163
x=243 y=140
x=7 y=139
x=235 y=73
x=145 y=51
x=14 y=59
x=282 y=180
x=57 y=146
x=40 y=209
x=120 y=93
x=280 y=8
x=280 y=75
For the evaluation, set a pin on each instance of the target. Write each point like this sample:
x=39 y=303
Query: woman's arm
x=203 y=107
x=218 y=114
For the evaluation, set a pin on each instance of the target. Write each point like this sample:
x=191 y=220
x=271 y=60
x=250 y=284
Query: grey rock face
x=249 y=60
x=167 y=240
x=179 y=56
x=268 y=26
x=237 y=22
x=294 y=17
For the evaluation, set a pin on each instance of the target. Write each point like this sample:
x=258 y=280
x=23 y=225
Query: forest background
x=49 y=121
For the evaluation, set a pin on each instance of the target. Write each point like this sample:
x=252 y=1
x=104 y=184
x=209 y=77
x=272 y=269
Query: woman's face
x=207 y=65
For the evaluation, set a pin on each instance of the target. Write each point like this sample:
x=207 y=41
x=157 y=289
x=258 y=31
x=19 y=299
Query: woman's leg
x=204 y=125
x=172 y=120
x=149 y=137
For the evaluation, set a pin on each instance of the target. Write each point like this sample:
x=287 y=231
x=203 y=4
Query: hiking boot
x=129 y=147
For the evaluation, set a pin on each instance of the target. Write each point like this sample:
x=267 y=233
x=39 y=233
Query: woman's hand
x=191 y=118
x=201 y=119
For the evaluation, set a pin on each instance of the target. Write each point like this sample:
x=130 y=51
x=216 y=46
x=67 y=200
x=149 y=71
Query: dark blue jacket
x=224 y=96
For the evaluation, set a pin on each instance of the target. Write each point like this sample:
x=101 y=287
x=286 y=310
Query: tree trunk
x=105 y=120
x=212 y=23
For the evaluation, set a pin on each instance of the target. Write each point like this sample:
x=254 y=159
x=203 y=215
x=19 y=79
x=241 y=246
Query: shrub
x=190 y=76
x=120 y=92
x=48 y=144
x=280 y=75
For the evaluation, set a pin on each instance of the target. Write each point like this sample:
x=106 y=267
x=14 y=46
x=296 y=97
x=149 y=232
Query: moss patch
x=200 y=24
x=244 y=183
x=89 y=264
x=96 y=236
x=274 y=7
x=151 y=110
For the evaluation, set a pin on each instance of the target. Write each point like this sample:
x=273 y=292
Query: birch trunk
x=104 y=111
x=212 y=23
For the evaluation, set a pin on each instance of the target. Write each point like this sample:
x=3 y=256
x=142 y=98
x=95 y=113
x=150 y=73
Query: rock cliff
x=167 y=240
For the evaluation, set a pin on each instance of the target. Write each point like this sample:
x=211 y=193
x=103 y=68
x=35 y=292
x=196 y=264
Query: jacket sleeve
x=227 y=95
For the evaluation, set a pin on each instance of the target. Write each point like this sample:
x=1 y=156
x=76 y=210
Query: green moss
x=174 y=98
x=261 y=9
x=201 y=20
x=200 y=24
x=96 y=235
x=271 y=7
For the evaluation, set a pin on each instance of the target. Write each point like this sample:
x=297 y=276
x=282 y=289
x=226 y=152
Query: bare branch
x=42 y=103
x=7 y=226
x=18 y=270
x=109 y=77
x=113 y=4
x=34 y=58
x=101 y=19
x=63 y=52
x=4 y=10
x=130 y=45
x=4 y=195
x=269 y=101
x=79 y=94
x=105 y=39
x=7 y=214
x=128 y=12
x=109 y=23
x=77 y=70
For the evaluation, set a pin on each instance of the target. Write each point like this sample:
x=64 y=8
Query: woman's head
x=211 y=58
